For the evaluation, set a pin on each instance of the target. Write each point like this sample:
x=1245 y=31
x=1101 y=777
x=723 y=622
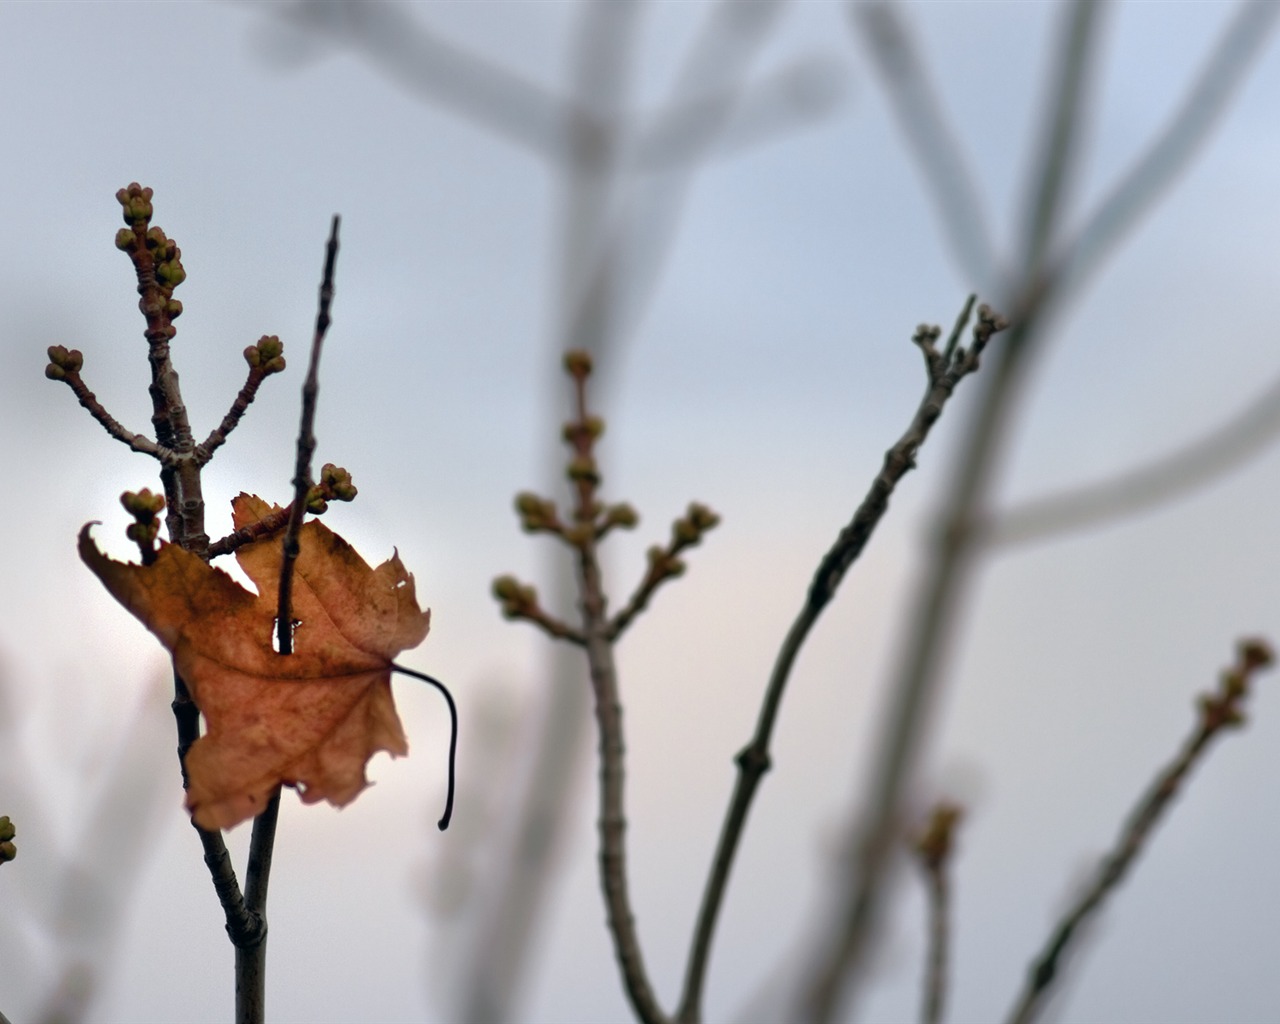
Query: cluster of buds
x=933 y=845
x=145 y=508
x=7 y=850
x=151 y=247
x=136 y=201
x=267 y=355
x=63 y=362
x=335 y=485
x=1222 y=710
x=518 y=600
x=686 y=531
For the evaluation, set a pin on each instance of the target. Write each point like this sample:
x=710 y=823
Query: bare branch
x=515 y=108
x=933 y=143
x=1217 y=711
x=1060 y=147
x=944 y=373
x=1157 y=482
x=264 y=359
x=608 y=708
x=302 y=481
x=664 y=563
x=933 y=852
x=65 y=366
x=1169 y=154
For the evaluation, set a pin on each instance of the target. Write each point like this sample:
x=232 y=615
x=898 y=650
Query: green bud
x=7 y=831
x=136 y=201
x=583 y=470
x=685 y=532
x=7 y=851
x=70 y=360
x=270 y=346
x=577 y=363
x=156 y=239
x=702 y=517
x=55 y=372
x=336 y=482
x=174 y=308
x=316 y=503
x=124 y=239
x=622 y=515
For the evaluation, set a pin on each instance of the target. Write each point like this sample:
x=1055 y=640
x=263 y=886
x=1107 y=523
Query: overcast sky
x=766 y=373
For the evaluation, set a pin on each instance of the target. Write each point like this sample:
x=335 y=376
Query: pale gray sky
x=766 y=377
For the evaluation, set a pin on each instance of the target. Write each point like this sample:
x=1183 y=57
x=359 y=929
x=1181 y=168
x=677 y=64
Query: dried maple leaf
x=312 y=718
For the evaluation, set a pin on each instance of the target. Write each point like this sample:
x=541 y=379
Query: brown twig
x=302 y=481
x=1191 y=466
x=1218 y=711
x=664 y=563
x=251 y=959
x=604 y=683
x=933 y=849
x=65 y=365
x=264 y=359
x=520 y=602
x=945 y=370
x=272 y=522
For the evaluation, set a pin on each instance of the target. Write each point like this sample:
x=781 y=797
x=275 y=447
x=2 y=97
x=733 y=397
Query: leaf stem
x=453 y=736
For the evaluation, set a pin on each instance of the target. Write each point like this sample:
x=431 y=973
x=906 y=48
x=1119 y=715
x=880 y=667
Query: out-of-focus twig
x=1189 y=468
x=1170 y=152
x=933 y=849
x=932 y=140
x=1217 y=712
x=837 y=965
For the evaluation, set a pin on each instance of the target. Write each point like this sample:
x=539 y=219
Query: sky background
x=766 y=376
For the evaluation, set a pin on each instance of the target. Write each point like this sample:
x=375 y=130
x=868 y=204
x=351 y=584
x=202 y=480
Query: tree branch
x=264 y=359
x=945 y=370
x=65 y=366
x=1157 y=482
x=933 y=850
x=608 y=709
x=934 y=145
x=1217 y=711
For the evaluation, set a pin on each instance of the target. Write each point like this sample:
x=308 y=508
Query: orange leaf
x=312 y=718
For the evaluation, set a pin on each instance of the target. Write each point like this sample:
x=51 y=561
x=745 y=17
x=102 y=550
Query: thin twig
x=271 y=523
x=1250 y=432
x=136 y=442
x=664 y=563
x=218 y=437
x=933 y=143
x=608 y=708
x=944 y=373
x=1217 y=711
x=1169 y=153
x=302 y=481
x=251 y=959
x=933 y=851
x=937 y=599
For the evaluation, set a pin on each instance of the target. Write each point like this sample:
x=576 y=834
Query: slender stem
x=608 y=711
x=453 y=737
x=933 y=850
x=306 y=447
x=945 y=370
x=1218 y=712
x=218 y=437
x=137 y=442
x=251 y=958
